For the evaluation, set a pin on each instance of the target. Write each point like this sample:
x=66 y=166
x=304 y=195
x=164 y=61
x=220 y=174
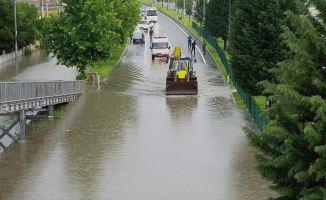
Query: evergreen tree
x=198 y=11
x=256 y=46
x=292 y=149
x=217 y=19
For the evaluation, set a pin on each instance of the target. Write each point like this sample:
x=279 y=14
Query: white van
x=151 y=14
x=160 y=48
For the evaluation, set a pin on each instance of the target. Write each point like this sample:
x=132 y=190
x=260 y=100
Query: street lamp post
x=42 y=11
x=15 y=19
x=184 y=8
x=203 y=11
x=47 y=8
x=229 y=18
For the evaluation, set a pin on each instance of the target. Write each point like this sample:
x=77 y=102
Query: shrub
x=28 y=51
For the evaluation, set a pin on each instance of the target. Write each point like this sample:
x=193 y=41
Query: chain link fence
x=255 y=111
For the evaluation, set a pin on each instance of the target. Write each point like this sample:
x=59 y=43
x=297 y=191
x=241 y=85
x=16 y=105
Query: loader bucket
x=181 y=88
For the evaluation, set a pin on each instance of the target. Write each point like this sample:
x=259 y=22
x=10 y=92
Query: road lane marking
x=198 y=50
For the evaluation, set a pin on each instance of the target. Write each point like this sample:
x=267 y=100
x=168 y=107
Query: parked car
x=144 y=13
x=138 y=35
x=144 y=25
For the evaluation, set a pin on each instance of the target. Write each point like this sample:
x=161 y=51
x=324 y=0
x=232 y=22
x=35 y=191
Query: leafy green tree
x=179 y=4
x=188 y=7
x=27 y=16
x=256 y=46
x=26 y=25
x=217 y=19
x=129 y=17
x=292 y=150
x=88 y=31
x=7 y=37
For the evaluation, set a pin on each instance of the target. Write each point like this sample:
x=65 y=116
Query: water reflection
x=181 y=107
x=128 y=140
x=12 y=68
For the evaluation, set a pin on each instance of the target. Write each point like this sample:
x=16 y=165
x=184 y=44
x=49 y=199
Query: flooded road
x=128 y=140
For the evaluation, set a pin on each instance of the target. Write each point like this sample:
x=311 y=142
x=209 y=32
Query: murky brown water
x=128 y=140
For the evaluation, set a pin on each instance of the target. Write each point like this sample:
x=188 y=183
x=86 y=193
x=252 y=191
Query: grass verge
x=104 y=68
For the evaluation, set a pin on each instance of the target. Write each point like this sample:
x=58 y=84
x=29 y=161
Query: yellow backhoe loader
x=181 y=78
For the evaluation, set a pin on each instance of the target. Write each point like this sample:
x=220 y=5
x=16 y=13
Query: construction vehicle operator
x=182 y=72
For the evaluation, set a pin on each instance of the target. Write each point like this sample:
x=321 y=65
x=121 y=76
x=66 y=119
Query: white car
x=144 y=25
x=144 y=13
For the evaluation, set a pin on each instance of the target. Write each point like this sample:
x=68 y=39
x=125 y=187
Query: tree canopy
x=26 y=25
x=88 y=31
x=291 y=150
x=256 y=46
x=198 y=11
x=217 y=19
x=188 y=7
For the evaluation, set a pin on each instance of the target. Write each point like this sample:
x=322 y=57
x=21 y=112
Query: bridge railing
x=20 y=91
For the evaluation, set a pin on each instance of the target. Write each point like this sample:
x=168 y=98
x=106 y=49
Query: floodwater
x=128 y=140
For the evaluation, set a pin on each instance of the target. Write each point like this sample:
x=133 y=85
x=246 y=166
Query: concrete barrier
x=11 y=56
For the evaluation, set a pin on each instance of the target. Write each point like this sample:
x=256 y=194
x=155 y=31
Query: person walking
x=204 y=47
x=193 y=46
x=151 y=32
x=189 y=38
x=143 y=37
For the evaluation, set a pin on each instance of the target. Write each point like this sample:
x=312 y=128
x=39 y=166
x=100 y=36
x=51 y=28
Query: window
x=160 y=45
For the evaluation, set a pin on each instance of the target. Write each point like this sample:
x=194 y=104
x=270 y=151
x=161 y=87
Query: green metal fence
x=258 y=116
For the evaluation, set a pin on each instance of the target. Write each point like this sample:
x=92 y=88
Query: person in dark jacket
x=193 y=46
x=204 y=47
x=151 y=32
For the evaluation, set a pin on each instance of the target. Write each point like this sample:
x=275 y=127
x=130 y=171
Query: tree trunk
x=225 y=44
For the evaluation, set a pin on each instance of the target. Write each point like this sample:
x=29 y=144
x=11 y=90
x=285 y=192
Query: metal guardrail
x=22 y=91
x=16 y=96
x=23 y=96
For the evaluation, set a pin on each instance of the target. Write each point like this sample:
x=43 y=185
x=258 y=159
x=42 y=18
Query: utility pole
x=15 y=16
x=184 y=8
x=42 y=14
x=59 y=6
x=47 y=8
x=229 y=16
x=203 y=11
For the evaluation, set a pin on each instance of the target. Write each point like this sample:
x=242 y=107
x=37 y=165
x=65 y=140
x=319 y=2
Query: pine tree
x=291 y=151
x=217 y=19
x=256 y=46
x=198 y=11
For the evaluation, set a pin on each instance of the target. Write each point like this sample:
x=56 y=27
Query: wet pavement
x=128 y=140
